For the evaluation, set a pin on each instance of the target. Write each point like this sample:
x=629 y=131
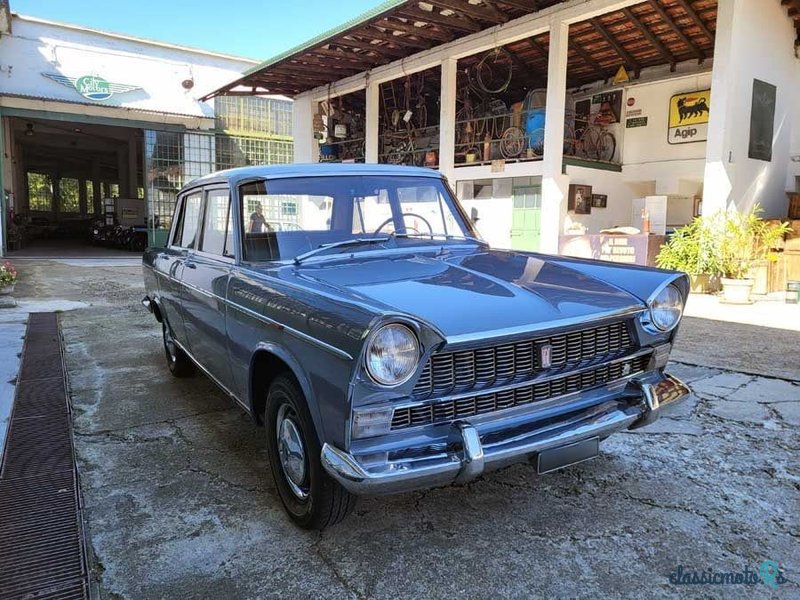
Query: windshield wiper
x=447 y=236
x=340 y=244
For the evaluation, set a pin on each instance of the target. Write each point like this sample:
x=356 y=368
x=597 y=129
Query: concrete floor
x=69 y=248
x=179 y=501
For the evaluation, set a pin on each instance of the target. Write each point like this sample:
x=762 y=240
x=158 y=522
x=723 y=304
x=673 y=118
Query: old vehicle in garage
x=385 y=347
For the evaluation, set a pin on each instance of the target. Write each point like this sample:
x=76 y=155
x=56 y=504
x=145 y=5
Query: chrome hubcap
x=291 y=451
x=169 y=344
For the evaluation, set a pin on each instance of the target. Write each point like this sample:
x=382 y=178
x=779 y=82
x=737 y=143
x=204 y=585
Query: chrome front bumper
x=472 y=456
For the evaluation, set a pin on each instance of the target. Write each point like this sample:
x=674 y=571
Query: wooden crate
x=794 y=205
x=786 y=268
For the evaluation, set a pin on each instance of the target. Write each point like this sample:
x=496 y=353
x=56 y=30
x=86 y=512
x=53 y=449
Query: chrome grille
x=461 y=371
x=443 y=411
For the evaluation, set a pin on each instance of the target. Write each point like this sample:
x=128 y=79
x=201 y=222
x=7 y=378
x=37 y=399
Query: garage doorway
x=526 y=217
x=72 y=180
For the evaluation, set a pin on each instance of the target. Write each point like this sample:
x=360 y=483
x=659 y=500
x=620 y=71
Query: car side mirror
x=473 y=215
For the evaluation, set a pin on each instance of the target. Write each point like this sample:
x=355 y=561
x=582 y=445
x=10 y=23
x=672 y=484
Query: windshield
x=286 y=218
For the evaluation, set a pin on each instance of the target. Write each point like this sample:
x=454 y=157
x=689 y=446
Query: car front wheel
x=311 y=498
x=179 y=363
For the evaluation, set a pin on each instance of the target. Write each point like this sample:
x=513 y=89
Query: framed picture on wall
x=599 y=200
x=580 y=199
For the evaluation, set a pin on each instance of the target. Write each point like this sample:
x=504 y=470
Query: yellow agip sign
x=688 y=117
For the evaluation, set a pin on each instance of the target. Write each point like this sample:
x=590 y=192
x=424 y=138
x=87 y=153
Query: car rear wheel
x=311 y=498
x=179 y=363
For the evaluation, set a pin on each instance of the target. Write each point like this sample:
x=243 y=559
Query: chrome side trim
x=290 y=330
x=264 y=319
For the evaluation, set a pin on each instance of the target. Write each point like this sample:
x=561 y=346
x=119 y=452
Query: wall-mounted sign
x=636 y=122
x=621 y=76
x=92 y=87
x=762 y=120
x=688 y=117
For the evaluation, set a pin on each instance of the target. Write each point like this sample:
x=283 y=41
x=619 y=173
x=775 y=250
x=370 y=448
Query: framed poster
x=610 y=108
x=580 y=199
x=599 y=200
x=762 y=120
x=688 y=117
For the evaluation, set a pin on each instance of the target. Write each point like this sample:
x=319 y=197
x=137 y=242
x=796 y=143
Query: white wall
x=37 y=47
x=611 y=183
x=644 y=145
x=755 y=40
x=494 y=206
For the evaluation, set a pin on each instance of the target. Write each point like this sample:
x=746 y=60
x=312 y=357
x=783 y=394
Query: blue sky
x=249 y=28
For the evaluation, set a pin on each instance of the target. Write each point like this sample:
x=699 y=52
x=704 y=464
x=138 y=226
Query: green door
x=526 y=218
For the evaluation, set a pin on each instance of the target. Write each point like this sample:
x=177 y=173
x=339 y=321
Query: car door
x=205 y=281
x=170 y=262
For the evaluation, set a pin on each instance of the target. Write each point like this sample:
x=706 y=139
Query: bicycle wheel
x=569 y=141
x=589 y=142
x=606 y=146
x=536 y=143
x=512 y=142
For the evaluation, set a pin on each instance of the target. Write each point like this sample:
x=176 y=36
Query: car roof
x=235 y=176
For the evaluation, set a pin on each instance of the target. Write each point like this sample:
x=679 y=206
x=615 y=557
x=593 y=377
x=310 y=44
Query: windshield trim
x=461 y=221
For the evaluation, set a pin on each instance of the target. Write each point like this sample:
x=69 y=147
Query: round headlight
x=392 y=354
x=666 y=308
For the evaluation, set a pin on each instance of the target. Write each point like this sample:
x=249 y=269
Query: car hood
x=492 y=292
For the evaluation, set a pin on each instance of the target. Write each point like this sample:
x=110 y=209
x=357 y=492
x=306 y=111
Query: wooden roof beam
x=377 y=48
x=450 y=22
x=527 y=5
x=588 y=59
x=687 y=7
x=351 y=57
x=618 y=48
x=477 y=11
x=677 y=30
x=650 y=37
x=428 y=32
x=406 y=40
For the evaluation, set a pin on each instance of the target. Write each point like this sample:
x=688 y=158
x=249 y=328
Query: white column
x=554 y=183
x=719 y=173
x=306 y=148
x=372 y=125
x=447 y=118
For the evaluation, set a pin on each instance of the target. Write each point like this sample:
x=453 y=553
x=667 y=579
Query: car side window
x=190 y=226
x=216 y=225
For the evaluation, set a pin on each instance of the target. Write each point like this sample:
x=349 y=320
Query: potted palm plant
x=745 y=241
x=691 y=249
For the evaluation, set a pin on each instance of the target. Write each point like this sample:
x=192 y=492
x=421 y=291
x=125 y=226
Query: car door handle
x=190 y=265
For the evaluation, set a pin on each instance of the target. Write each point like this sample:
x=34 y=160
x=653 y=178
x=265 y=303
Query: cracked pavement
x=179 y=502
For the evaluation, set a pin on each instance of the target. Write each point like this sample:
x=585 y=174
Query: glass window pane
x=191 y=219
x=40 y=192
x=215 y=222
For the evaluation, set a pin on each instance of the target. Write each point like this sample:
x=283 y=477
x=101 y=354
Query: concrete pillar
x=555 y=184
x=122 y=172
x=306 y=148
x=372 y=125
x=447 y=118
x=82 y=196
x=133 y=164
x=718 y=176
x=754 y=41
x=97 y=192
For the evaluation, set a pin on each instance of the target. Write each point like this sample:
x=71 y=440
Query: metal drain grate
x=41 y=541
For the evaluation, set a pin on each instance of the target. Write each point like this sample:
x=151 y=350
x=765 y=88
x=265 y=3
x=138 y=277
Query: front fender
x=299 y=374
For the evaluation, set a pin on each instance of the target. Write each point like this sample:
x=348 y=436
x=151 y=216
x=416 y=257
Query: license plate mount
x=565 y=456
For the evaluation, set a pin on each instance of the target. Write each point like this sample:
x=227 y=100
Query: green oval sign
x=93 y=88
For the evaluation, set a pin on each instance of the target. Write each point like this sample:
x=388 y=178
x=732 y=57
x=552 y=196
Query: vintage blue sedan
x=354 y=311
